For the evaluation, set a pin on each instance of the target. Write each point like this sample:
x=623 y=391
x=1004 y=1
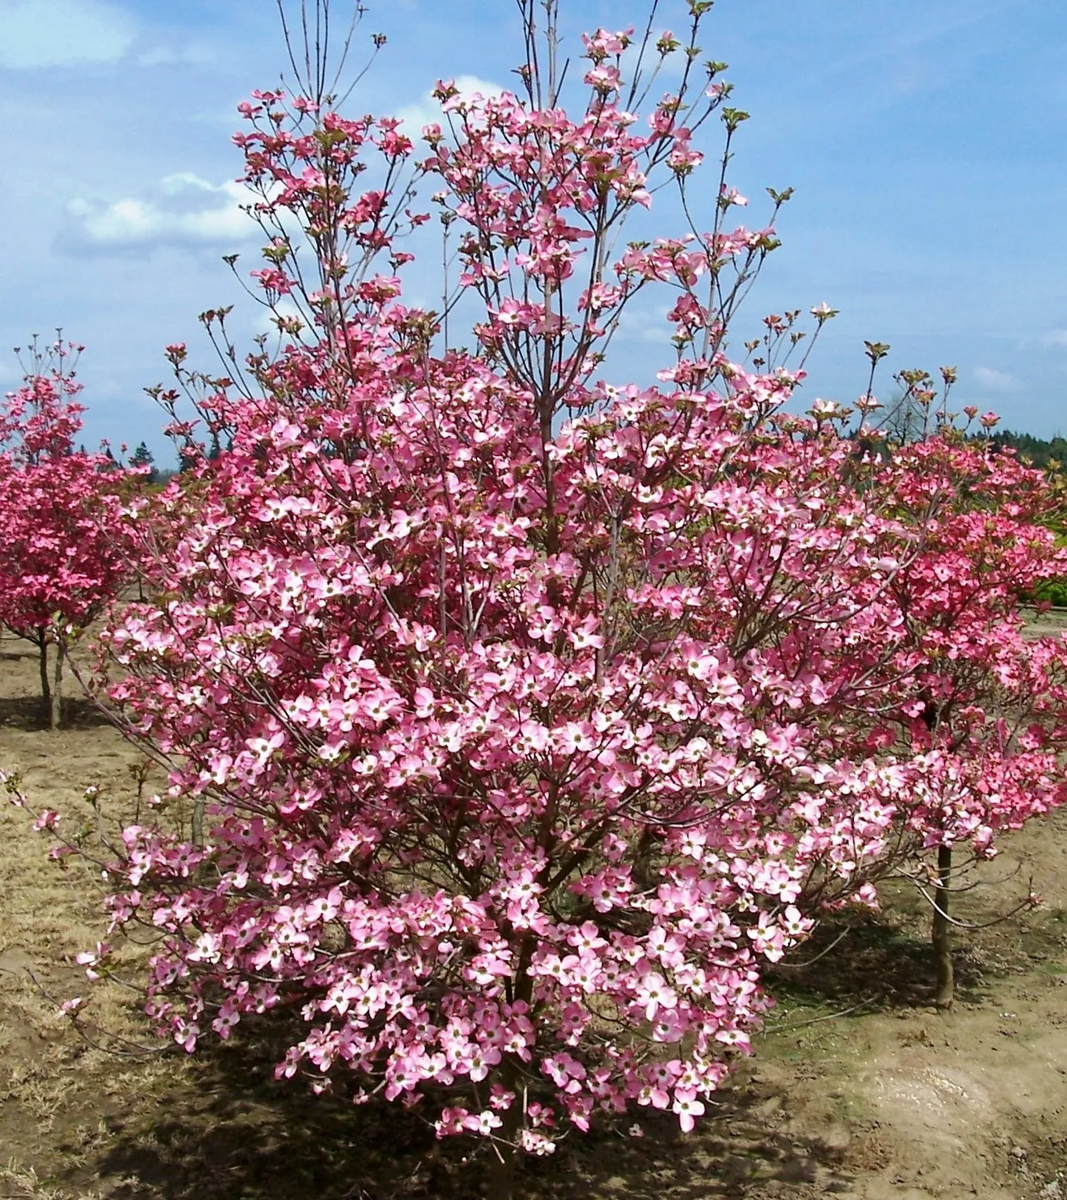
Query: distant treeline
x=1040 y=451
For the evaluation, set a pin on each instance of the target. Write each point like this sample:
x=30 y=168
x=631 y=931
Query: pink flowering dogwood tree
x=523 y=717
x=61 y=560
x=492 y=679
x=981 y=705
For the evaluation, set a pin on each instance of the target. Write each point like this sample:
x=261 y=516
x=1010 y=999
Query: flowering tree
x=966 y=705
x=980 y=705
x=494 y=678
x=521 y=715
x=60 y=557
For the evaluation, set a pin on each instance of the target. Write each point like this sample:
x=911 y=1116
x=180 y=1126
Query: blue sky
x=926 y=141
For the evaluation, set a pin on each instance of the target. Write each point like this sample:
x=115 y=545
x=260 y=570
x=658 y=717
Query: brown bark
x=503 y=1154
x=942 y=931
x=51 y=681
x=55 y=701
x=46 y=683
x=500 y=1173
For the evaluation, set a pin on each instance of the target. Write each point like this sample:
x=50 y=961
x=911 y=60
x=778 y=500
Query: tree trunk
x=196 y=831
x=942 y=931
x=55 y=702
x=46 y=683
x=503 y=1154
x=500 y=1172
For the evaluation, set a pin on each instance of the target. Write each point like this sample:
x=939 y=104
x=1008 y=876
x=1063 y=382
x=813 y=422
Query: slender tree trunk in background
x=46 y=683
x=55 y=704
x=196 y=831
x=642 y=869
x=942 y=931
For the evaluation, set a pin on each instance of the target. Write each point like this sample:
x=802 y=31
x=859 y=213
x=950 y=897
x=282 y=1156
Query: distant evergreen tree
x=143 y=457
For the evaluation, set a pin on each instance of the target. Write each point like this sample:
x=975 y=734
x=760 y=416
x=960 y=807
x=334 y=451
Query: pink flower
x=688 y=1108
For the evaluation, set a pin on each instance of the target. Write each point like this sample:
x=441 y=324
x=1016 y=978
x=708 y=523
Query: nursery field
x=857 y=1089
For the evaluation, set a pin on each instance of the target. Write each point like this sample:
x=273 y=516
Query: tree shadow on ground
x=869 y=963
x=236 y=1134
x=735 y=1148
x=29 y=713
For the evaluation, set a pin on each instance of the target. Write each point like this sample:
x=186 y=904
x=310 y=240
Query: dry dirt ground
x=857 y=1090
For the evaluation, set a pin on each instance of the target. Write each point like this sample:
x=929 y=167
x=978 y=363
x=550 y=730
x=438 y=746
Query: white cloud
x=182 y=209
x=672 y=67
x=54 y=33
x=996 y=381
x=195 y=54
x=646 y=325
x=1055 y=339
x=265 y=322
x=428 y=112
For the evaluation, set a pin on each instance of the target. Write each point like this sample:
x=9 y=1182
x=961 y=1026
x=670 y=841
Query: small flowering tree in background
x=523 y=717
x=61 y=558
x=984 y=706
x=966 y=706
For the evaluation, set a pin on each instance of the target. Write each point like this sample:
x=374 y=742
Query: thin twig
x=825 y=1017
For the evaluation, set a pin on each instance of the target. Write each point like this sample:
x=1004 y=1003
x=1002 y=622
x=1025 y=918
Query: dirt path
x=887 y=1100
x=920 y=1105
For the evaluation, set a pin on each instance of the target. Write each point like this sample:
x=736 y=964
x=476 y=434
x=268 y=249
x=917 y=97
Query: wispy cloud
x=670 y=67
x=193 y=54
x=428 y=112
x=61 y=33
x=266 y=319
x=996 y=381
x=1054 y=339
x=10 y=373
x=181 y=209
x=931 y=27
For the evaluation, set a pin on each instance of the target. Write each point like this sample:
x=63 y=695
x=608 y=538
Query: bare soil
x=857 y=1089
